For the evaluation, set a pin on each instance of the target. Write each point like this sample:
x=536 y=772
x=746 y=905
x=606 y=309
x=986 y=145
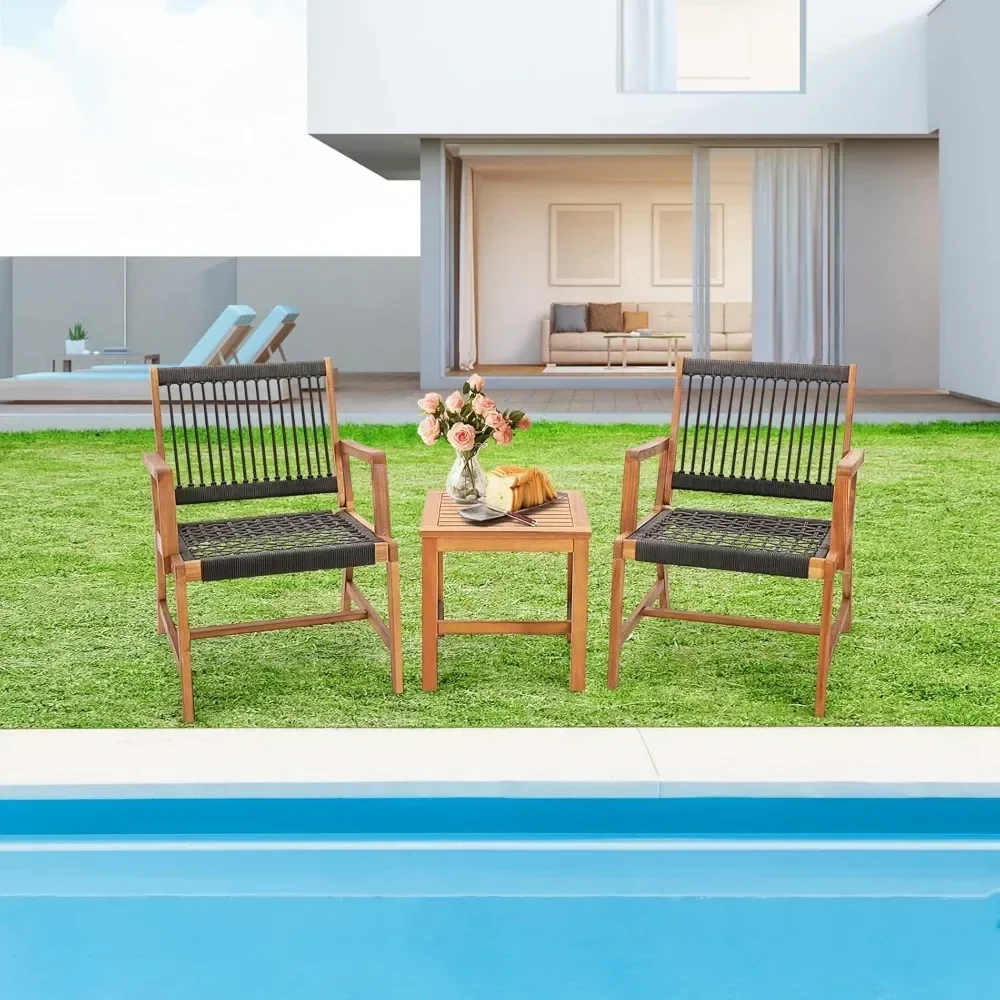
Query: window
x=711 y=45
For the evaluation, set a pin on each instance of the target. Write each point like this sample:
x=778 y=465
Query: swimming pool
x=470 y=898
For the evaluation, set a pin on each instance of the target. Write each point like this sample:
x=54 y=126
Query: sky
x=176 y=127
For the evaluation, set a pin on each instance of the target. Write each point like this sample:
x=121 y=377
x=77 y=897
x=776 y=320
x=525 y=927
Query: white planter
x=76 y=347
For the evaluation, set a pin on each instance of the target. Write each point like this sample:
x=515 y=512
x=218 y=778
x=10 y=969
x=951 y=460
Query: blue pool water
x=500 y=898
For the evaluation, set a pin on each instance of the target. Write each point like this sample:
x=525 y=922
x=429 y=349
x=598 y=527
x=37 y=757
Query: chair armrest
x=546 y=329
x=380 y=482
x=844 y=496
x=164 y=505
x=362 y=452
x=158 y=468
x=643 y=451
x=851 y=462
x=630 y=480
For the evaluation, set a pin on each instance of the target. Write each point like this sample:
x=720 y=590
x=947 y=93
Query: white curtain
x=791 y=240
x=648 y=57
x=467 y=348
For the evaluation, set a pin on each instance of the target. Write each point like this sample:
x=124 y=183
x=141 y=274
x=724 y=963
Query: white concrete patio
x=391 y=399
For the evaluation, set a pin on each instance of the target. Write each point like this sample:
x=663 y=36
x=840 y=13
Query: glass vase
x=466 y=482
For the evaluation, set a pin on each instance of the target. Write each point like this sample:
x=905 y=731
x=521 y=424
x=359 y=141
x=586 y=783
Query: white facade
x=392 y=83
x=530 y=68
x=963 y=107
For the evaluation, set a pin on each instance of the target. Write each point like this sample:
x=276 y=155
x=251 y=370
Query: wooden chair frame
x=170 y=563
x=656 y=602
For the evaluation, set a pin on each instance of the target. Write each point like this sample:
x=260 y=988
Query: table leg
x=67 y=365
x=578 y=618
x=606 y=341
x=430 y=590
x=624 y=353
x=569 y=592
x=440 y=605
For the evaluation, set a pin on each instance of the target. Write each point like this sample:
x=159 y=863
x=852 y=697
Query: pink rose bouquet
x=468 y=420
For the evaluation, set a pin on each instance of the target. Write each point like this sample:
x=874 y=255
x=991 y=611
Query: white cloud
x=134 y=128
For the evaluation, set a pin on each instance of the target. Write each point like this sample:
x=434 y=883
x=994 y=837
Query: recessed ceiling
x=735 y=167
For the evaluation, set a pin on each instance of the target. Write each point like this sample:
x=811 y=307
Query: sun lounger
x=267 y=339
x=218 y=344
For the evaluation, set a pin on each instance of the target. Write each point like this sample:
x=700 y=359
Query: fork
x=514 y=516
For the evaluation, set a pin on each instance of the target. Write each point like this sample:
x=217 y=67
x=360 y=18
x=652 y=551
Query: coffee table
x=562 y=526
x=676 y=338
x=93 y=357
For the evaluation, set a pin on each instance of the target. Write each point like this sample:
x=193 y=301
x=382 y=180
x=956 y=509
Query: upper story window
x=711 y=45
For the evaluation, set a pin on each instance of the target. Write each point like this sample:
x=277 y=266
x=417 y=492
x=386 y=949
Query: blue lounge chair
x=218 y=344
x=269 y=336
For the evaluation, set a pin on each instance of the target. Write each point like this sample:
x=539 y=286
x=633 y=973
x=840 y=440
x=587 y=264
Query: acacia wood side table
x=562 y=526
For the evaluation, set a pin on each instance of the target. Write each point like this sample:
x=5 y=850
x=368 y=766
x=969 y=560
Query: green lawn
x=78 y=645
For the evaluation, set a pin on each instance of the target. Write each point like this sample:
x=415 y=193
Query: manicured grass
x=78 y=645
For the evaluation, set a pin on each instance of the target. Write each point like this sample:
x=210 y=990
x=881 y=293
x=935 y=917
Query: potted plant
x=76 y=339
x=468 y=420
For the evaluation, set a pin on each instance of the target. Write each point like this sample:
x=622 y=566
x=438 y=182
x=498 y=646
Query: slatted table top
x=566 y=516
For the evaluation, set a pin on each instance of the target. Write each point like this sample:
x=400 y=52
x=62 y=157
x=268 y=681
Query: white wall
x=50 y=294
x=363 y=312
x=512 y=255
x=6 y=317
x=524 y=68
x=891 y=261
x=963 y=80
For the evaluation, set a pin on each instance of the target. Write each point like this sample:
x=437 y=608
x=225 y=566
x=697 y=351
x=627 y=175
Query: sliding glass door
x=556 y=252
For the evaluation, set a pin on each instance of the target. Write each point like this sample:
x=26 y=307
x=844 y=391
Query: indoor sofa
x=731 y=325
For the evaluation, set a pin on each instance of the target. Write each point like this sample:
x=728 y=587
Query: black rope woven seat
x=277 y=543
x=746 y=543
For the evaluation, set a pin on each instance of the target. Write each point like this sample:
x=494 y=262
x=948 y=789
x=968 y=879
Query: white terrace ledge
x=604 y=763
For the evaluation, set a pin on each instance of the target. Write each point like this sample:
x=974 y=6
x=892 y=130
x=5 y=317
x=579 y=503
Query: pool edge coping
x=627 y=762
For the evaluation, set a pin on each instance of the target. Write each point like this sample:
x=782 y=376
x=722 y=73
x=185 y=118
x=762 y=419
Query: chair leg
x=345 y=597
x=161 y=591
x=184 y=646
x=825 y=640
x=395 y=624
x=848 y=590
x=617 y=599
x=661 y=574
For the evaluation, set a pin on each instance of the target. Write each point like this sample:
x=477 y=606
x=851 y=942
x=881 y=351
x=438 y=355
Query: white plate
x=479 y=513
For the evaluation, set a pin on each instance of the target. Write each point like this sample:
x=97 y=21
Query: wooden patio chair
x=768 y=430
x=252 y=432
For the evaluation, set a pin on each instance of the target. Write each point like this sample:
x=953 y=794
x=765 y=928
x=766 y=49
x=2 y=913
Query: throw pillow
x=604 y=317
x=636 y=321
x=569 y=317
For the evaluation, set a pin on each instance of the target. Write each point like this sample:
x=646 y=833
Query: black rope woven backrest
x=760 y=428
x=244 y=432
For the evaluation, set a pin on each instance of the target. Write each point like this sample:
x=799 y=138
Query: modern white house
x=797 y=180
